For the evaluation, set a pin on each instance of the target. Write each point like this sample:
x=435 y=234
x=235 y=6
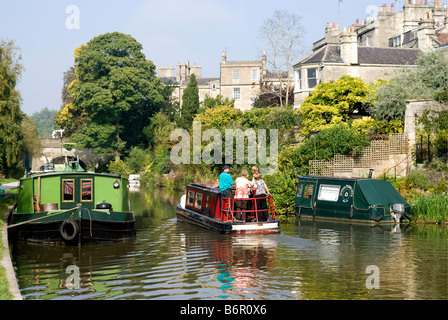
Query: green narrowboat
x=72 y=207
x=350 y=199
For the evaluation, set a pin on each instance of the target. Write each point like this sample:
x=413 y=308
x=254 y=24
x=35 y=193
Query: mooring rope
x=47 y=216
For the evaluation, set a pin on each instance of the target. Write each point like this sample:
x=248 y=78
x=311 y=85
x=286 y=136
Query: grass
x=431 y=209
x=5 y=294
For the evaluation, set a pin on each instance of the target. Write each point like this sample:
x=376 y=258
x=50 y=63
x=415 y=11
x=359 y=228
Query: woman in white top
x=262 y=190
x=242 y=191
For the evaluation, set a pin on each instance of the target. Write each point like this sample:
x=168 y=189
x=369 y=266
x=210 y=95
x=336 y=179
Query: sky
x=170 y=31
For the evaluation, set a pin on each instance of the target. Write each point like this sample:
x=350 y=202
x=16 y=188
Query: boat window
x=198 y=203
x=190 y=198
x=328 y=192
x=86 y=189
x=299 y=191
x=68 y=190
x=207 y=198
x=308 y=192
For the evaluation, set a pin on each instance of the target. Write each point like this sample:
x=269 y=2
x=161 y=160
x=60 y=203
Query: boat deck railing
x=255 y=214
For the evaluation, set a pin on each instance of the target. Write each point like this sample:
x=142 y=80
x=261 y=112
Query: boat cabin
x=206 y=199
x=65 y=190
x=203 y=205
x=350 y=199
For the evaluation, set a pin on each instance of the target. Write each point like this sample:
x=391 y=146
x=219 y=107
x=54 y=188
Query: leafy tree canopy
x=115 y=89
x=427 y=81
x=190 y=104
x=11 y=115
x=332 y=102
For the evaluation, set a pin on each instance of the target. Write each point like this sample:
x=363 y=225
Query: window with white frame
x=299 y=79
x=236 y=74
x=236 y=93
x=254 y=74
x=312 y=77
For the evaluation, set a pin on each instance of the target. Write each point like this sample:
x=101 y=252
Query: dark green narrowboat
x=72 y=207
x=350 y=199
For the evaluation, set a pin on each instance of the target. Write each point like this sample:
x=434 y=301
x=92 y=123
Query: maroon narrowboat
x=203 y=205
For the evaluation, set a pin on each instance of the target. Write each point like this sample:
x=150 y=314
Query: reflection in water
x=173 y=260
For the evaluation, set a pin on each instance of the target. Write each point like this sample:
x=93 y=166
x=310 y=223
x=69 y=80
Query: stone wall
x=414 y=109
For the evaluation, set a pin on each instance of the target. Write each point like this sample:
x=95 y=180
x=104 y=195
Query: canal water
x=174 y=260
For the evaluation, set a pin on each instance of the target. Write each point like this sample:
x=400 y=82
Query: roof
x=200 y=81
x=397 y=56
x=329 y=53
x=366 y=55
x=378 y=193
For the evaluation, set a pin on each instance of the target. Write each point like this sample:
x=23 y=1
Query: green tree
x=11 y=115
x=427 y=81
x=115 y=92
x=332 y=102
x=190 y=104
x=45 y=122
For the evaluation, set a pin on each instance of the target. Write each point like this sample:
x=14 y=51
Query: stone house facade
x=374 y=48
x=238 y=80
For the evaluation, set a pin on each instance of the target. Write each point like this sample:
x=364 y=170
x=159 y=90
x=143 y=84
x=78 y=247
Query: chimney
x=224 y=57
x=392 y=8
x=426 y=31
x=264 y=65
x=196 y=70
x=349 y=46
x=178 y=70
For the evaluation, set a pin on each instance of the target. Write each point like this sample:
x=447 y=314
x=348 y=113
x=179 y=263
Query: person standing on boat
x=242 y=189
x=260 y=192
x=225 y=182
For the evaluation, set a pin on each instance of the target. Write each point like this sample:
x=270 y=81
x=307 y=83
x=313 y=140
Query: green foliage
x=190 y=104
x=332 y=102
x=387 y=127
x=11 y=115
x=45 y=122
x=431 y=209
x=210 y=102
x=418 y=179
x=340 y=139
x=219 y=117
x=435 y=126
x=115 y=89
x=427 y=81
x=137 y=159
x=102 y=137
x=366 y=125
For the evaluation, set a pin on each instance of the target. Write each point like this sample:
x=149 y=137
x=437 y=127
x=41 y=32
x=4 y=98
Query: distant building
x=239 y=80
x=375 y=48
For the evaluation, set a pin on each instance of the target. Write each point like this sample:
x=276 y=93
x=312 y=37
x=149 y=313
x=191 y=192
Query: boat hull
x=216 y=225
x=74 y=227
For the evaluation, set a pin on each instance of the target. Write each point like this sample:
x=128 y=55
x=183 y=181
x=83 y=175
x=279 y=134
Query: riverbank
x=9 y=289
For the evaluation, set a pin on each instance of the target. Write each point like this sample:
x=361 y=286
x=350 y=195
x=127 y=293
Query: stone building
x=181 y=77
x=375 y=48
x=238 y=80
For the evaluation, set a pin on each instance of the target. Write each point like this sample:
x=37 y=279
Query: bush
x=418 y=179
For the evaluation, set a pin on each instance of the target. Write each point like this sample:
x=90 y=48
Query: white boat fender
x=182 y=201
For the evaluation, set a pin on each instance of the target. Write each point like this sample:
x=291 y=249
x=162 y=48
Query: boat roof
x=71 y=173
x=206 y=186
x=334 y=178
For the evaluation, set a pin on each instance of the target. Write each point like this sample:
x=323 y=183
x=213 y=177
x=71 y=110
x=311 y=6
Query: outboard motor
x=396 y=211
